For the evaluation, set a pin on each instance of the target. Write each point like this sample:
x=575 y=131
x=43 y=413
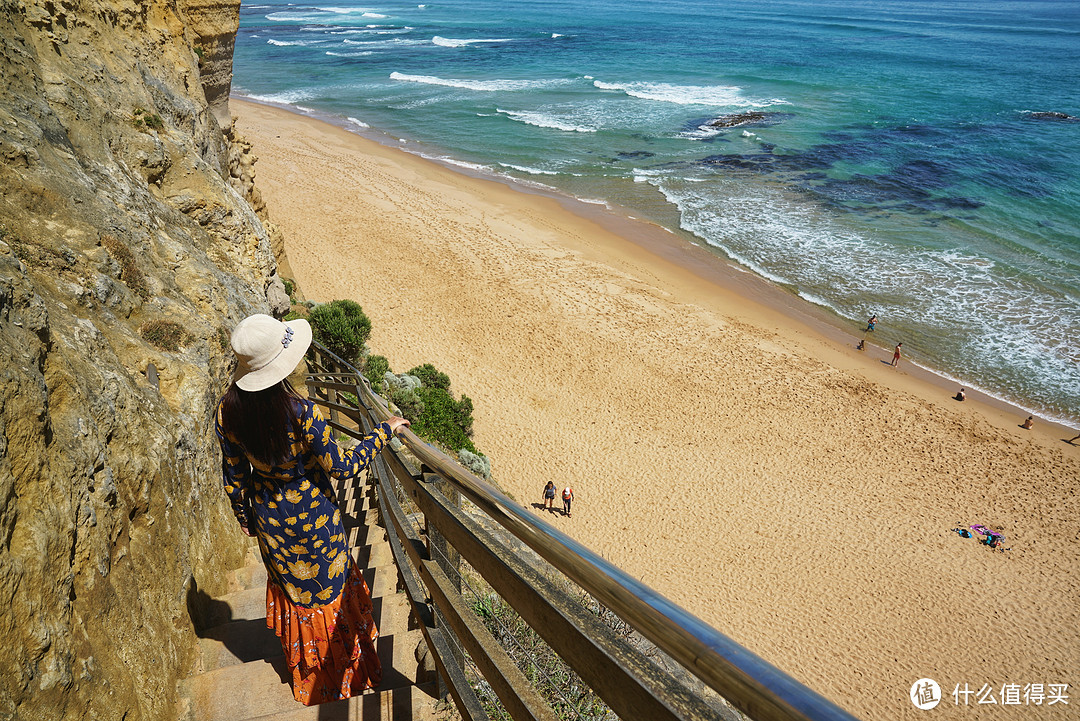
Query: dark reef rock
x=1051 y=115
x=730 y=121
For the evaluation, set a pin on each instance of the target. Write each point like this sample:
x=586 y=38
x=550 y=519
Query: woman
x=549 y=496
x=278 y=456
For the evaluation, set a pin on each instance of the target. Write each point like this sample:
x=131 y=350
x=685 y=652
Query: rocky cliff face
x=127 y=252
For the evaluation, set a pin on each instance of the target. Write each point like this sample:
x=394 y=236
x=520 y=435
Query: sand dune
x=792 y=492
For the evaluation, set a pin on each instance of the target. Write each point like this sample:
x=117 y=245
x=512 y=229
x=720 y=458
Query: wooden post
x=449 y=560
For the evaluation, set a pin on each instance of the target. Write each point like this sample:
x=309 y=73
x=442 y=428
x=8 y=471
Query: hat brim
x=283 y=365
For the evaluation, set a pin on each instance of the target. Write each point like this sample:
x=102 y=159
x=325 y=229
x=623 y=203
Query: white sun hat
x=267 y=350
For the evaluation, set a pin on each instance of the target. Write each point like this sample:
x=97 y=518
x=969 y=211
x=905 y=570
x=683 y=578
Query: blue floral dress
x=297 y=520
x=317 y=601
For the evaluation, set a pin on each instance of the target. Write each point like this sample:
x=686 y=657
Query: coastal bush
x=375 y=366
x=165 y=334
x=341 y=326
x=290 y=287
x=431 y=377
x=444 y=420
x=409 y=406
x=479 y=464
x=404 y=381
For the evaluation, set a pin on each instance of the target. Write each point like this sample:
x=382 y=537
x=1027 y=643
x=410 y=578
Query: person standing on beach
x=871 y=323
x=549 y=496
x=896 y=355
x=567 y=497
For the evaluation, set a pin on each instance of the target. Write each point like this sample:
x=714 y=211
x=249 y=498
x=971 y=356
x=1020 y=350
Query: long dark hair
x=260 y=420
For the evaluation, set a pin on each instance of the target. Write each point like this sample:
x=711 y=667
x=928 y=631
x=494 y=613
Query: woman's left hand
x=396 y=423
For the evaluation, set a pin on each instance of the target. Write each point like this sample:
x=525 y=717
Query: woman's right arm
x=344 y=462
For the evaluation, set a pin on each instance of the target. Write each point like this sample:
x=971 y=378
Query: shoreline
x=677 y=247
x=795 y=494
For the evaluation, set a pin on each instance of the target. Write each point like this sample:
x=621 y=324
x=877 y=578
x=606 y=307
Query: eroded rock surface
x=123 y=206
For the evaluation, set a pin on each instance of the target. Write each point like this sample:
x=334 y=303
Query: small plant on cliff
x=341 y=326
x=130 y=273
x=144 y=119
x=200 y=52
x=165 y=334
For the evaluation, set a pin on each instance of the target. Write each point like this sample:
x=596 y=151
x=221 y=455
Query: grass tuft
x=165 y=334
x=130 y=273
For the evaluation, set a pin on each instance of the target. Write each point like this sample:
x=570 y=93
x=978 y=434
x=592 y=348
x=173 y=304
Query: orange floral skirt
x=330 y=649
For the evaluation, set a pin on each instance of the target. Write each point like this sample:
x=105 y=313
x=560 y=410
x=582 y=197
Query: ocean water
x=911 y=159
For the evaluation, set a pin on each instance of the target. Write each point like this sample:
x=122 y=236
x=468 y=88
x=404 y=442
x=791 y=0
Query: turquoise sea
x=912 y=159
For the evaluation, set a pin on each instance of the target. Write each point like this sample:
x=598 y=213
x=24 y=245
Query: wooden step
x=412 y=703
x=261 y=687
x=247 y=640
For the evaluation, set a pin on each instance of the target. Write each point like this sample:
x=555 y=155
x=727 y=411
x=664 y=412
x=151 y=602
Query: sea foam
x=482 y=85
x=460 y=42
x=729 y=96
x=542 y=120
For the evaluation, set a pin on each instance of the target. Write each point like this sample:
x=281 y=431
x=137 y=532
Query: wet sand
x=725 y=445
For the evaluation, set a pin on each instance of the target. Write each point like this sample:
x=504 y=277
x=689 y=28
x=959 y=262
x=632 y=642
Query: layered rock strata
x=127 y=252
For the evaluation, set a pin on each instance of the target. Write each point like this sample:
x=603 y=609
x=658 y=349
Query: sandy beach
x=723 y=446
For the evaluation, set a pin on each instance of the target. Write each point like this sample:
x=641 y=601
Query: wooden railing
x=690 y=667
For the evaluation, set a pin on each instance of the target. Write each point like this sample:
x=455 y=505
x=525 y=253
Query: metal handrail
x=747 y=681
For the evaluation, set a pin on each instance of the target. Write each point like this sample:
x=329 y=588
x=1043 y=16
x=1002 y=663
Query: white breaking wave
x=286 y=98
x=484 y=85
x=715 y=95
x=557 y=35
x=541 y=120
x=352 y=11
x=360 y=54
x=295 y=43
x=460 y=43
x=358 y=123
x=530 y=171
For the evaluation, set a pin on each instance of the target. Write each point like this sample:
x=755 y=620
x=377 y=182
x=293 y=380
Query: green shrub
x=165 y=334
x=431 y=377
x=290 y=286
x=409 y=404
x=441 y=421
x=375 y=366
x=341 y=326
x=143 y=119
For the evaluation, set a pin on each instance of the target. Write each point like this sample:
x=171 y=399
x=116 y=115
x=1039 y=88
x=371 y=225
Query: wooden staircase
x=240 y=673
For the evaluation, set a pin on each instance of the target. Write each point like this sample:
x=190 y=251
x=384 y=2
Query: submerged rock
x=751 y=117
x=1051 y=115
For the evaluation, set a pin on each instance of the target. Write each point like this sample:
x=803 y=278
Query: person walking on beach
x=871 y=323
x=549 y=496
x=896 y=355
x=278 y=458
x=567 y=497
x=1074 y=438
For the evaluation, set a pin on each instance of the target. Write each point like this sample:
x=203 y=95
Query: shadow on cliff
x=241 y=639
